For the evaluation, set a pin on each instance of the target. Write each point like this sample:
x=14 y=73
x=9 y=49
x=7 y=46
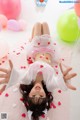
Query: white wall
x=70 y=100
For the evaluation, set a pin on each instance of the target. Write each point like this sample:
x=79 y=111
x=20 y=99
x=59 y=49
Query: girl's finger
x=71 y=87
x=3 y=70
x=2 y=89
x=68 y=77
x=3 y=81
x=66 y=72
x=3 y=75
x=11 y=64
x=60 y=65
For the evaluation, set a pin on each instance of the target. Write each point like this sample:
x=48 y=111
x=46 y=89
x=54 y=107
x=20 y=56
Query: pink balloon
x=3 y=21
x=77 y=7
x=10 y=8
x=13 y=25
x=0 y=27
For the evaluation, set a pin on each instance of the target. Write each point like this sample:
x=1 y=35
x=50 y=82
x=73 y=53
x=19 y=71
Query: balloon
x=10 y=8
x=3 y=21
x=67 y=26
x=13 y=25
x=22 y=25
x=4 y=49
x=77 y=8
x=0 y=27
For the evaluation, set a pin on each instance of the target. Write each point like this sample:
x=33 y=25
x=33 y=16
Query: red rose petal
x=41 y=66
x=59 y=103
x=21 y=67
x=38 y=43
x=23 y=115
x=29 y=57
x=57 y=73
x=62 y=59
x=48 y=43
x=56 y=66
x=43 y=116
x=52 y=105
x=18 y=53
x=54 y=43
x=59 y=91
x=24 y=67
x=3 y=61
x=14 y=51
x=41 y=56
x=30 y=61
x=22 y=47
x=22 y=99
x=6 y=95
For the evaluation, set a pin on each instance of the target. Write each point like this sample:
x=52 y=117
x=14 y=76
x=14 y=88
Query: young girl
x=32 y=96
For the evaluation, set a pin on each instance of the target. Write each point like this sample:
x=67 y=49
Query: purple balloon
x=13 y=25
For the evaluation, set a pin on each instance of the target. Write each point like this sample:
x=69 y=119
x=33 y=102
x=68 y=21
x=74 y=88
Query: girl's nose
x=38 y=88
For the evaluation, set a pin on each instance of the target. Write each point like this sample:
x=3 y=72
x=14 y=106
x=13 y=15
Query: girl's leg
x=45 y=28
x=37 y=30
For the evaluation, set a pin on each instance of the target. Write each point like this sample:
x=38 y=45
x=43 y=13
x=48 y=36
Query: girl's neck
x=39 y=78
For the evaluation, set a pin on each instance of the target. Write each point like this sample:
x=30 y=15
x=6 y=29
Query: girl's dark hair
x=36 y=108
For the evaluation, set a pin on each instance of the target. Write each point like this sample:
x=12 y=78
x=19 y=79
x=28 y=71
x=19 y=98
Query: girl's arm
x=60 y=79
x=11 y=77
x=67 y=76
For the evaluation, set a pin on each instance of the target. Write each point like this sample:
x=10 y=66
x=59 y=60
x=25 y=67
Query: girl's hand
x=5 y=75
x=67 y=76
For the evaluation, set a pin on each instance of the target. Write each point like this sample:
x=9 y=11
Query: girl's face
x=46 y=57
x=37 y=92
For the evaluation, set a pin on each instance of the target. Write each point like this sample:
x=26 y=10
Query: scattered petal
x=38 y=43
x=3 y=61
x=62 y=59
x=59 y=103
x=18 y=53
x=52 y=105
x=6 y=95
x=59 y=91
x=29 y=57
x=57 y=73
x=41 y=66
x=56 y=66
x=22 y=99
x=22 y=47
x=43 y=116
x=23 y=115
x=48 y=43
x=14 y=51
x=54 y=43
